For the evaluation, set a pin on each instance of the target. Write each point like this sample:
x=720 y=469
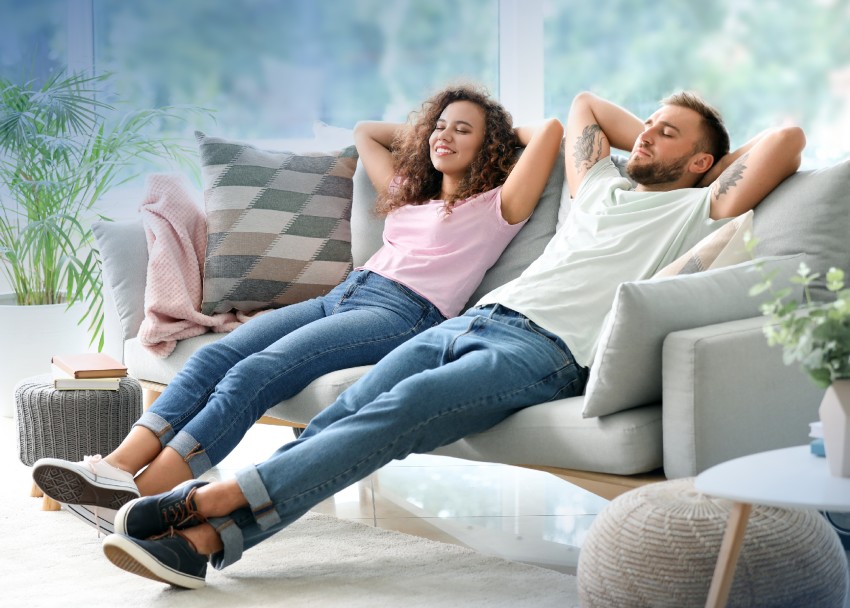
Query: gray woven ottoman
x=657 y=546
x=72 y=424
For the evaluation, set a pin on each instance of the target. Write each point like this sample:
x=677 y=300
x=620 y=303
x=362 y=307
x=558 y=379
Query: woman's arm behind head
x=527 y=180
x=374 y=140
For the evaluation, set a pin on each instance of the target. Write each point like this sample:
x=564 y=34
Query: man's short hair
x=716 y=139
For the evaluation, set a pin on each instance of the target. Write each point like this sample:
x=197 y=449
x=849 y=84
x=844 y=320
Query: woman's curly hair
x=420 y=182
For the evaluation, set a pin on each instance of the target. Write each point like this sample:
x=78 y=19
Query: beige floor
x=498 y=510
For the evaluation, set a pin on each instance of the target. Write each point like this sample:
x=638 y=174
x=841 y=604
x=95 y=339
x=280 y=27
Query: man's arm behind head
x=742 y=178
x=594 y=126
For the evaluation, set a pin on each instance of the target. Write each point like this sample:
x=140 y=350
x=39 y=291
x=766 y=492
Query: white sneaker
x=103 y=520
x=92 y=482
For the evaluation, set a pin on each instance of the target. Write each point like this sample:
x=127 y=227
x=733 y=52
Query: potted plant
x=61 y=149
x=817 y=336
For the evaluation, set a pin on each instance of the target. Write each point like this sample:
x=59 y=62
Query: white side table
x=790 y=478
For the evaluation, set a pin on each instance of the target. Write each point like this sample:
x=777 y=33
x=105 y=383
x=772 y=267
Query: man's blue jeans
x=226 y=386
x=459 y=378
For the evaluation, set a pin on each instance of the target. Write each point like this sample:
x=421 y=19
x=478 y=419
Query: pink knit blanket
x=176 y=234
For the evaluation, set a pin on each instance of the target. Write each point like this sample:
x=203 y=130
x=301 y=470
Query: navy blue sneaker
x=170 y=558
x=151 y=515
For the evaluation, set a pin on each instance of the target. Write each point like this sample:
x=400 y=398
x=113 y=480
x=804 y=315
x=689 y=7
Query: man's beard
x=656 y=172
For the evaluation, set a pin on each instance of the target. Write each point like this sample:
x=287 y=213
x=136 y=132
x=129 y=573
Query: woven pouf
x=72 y=424
x=658 y=545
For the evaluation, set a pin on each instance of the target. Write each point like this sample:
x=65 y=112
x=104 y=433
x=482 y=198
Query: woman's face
x=457 y=138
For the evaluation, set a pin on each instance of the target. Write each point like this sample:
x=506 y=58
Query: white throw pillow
x=626 y=370
x=723 y=247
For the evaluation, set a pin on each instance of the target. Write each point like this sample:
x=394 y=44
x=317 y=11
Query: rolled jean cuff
x=192 y=453
x=157 y=425
x=258 y=498
x=231 y=540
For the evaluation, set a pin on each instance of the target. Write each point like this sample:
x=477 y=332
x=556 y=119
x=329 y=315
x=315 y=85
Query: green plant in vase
x=817 y=336
x=61 y=150
x=814 y=334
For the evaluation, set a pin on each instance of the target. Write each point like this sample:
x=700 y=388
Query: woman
x=453 y=197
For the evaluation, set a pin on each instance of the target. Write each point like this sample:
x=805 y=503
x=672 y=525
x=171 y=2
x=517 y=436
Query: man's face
x=664 y=149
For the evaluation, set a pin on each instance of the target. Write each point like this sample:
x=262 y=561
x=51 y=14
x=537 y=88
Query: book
x=63 y=381
x=90 y=365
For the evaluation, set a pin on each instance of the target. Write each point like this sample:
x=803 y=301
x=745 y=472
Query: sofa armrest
x=726 y=394
x=124 y=260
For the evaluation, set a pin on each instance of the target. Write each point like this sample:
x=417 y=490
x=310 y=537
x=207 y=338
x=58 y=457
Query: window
x=33 y=40
x=270 y=69
x=760 y=62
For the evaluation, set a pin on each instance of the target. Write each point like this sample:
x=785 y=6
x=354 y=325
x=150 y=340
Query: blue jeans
x=459 y=378
x=226 y=386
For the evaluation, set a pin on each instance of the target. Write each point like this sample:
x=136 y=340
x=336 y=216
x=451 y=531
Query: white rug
x=51 y=559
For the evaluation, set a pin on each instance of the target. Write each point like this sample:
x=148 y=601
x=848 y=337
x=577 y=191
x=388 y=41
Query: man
x=527 y=342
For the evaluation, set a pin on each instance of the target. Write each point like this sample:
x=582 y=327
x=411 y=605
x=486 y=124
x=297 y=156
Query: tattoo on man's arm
x=731 y=176
x=588 y=146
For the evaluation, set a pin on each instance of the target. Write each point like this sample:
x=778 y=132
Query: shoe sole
x=133 y=559
x=74 y=488
x=102 y=521
x=120 y=522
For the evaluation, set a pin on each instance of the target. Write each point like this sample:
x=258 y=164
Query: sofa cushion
x=277 y=224
x=808 y=212
x=123 y=251
x=723 y=247
x=520 y=252
x=142 y=365
x=626 y=371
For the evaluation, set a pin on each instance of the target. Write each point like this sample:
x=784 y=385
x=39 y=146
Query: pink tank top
x=441 y=256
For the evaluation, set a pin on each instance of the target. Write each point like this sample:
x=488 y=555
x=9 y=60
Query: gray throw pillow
x=278 y=227
x=809 y=212
x=626 y=371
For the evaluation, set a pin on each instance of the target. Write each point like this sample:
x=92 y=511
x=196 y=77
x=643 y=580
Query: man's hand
x=594 y=126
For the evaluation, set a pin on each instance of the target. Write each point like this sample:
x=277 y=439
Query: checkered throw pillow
x=278 y=227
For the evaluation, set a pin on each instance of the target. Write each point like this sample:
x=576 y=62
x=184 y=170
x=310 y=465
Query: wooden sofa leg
x=47 y=503
x=150 y=393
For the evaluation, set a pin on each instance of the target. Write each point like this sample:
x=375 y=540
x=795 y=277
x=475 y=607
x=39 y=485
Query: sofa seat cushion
x=143 y=366
x=551 y=434
x=555 y=434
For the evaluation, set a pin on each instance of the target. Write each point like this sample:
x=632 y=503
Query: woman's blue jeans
x=226 y=386
x=459 y=378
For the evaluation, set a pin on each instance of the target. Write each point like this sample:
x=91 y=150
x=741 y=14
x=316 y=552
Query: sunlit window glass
x=761 y=62
x=33 y=39
x=271 y=69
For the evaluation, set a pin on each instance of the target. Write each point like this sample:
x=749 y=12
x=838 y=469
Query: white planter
x=29 y=336
x=834 y=414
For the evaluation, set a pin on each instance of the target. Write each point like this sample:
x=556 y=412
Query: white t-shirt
x=612 y=235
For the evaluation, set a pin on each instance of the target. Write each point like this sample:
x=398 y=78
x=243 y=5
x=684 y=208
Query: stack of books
x=87 y=371
x=816 y=433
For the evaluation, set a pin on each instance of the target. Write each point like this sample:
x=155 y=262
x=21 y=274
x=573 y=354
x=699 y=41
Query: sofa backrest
x=527 y=245
x=809 y=212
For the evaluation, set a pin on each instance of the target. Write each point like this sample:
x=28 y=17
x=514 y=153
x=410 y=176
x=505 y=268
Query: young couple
x=453 y=196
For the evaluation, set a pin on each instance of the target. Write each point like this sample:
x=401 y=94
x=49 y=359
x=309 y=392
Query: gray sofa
x=683 y=378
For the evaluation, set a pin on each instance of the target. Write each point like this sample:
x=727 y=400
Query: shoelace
x=90 y=461
x=180 y=513
x=171 y=533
